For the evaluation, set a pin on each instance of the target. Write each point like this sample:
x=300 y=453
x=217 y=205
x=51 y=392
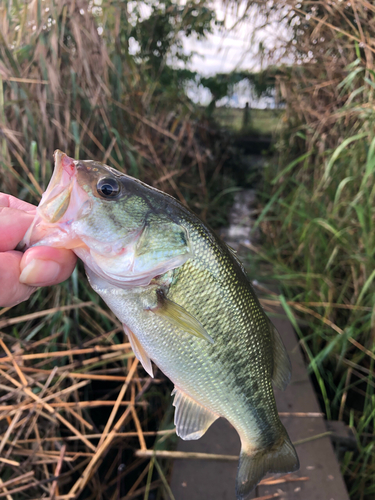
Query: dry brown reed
x=326 y=39
x=65 y=83
x=58 y=438
x=49 y=442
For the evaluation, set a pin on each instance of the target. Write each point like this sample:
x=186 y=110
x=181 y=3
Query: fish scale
x=234 y=340
x=184 y=300
x=187 y=360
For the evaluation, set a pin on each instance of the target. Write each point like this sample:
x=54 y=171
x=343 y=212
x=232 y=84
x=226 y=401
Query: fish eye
x=108 y=187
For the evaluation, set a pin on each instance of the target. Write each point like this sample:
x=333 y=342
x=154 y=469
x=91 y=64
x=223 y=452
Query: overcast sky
x=226 y=50
x=236 y=48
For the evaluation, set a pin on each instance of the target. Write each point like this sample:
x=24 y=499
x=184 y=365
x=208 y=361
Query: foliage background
x=318 y=210
x=68 y=78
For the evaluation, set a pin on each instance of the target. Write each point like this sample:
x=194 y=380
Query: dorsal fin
x=282 y=369
x=190 y=418
x=234 y=254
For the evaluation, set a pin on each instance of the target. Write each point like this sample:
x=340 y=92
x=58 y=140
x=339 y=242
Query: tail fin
x=281 y=457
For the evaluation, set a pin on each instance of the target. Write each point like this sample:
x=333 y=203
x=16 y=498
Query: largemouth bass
x=184 y=300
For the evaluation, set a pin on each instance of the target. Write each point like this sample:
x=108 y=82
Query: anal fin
x=139 y=351
x=191 y=419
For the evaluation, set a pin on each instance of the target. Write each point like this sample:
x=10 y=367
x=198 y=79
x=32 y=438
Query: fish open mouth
x=56 y=199
x=61 y=203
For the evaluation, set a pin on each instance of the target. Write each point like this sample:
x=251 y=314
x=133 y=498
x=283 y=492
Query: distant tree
x=150 y=35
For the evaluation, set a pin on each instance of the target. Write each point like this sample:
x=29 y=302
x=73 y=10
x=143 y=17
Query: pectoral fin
x=138 y=350
x=190 y=418
x=181 y=319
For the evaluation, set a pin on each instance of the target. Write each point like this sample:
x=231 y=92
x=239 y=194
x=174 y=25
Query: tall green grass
x=318 y=223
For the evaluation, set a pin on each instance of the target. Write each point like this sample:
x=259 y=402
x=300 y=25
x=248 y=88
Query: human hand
x=21 y=273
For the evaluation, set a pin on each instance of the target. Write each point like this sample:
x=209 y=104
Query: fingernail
x=40 y=272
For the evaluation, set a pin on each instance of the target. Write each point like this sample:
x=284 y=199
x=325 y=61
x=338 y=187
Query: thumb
x=44 y=266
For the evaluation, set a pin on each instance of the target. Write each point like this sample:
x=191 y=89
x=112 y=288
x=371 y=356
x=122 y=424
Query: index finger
x=13 y=226
x=7 y=200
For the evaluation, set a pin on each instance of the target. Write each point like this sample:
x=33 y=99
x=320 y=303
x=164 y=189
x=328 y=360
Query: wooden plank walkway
x=212 y=480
